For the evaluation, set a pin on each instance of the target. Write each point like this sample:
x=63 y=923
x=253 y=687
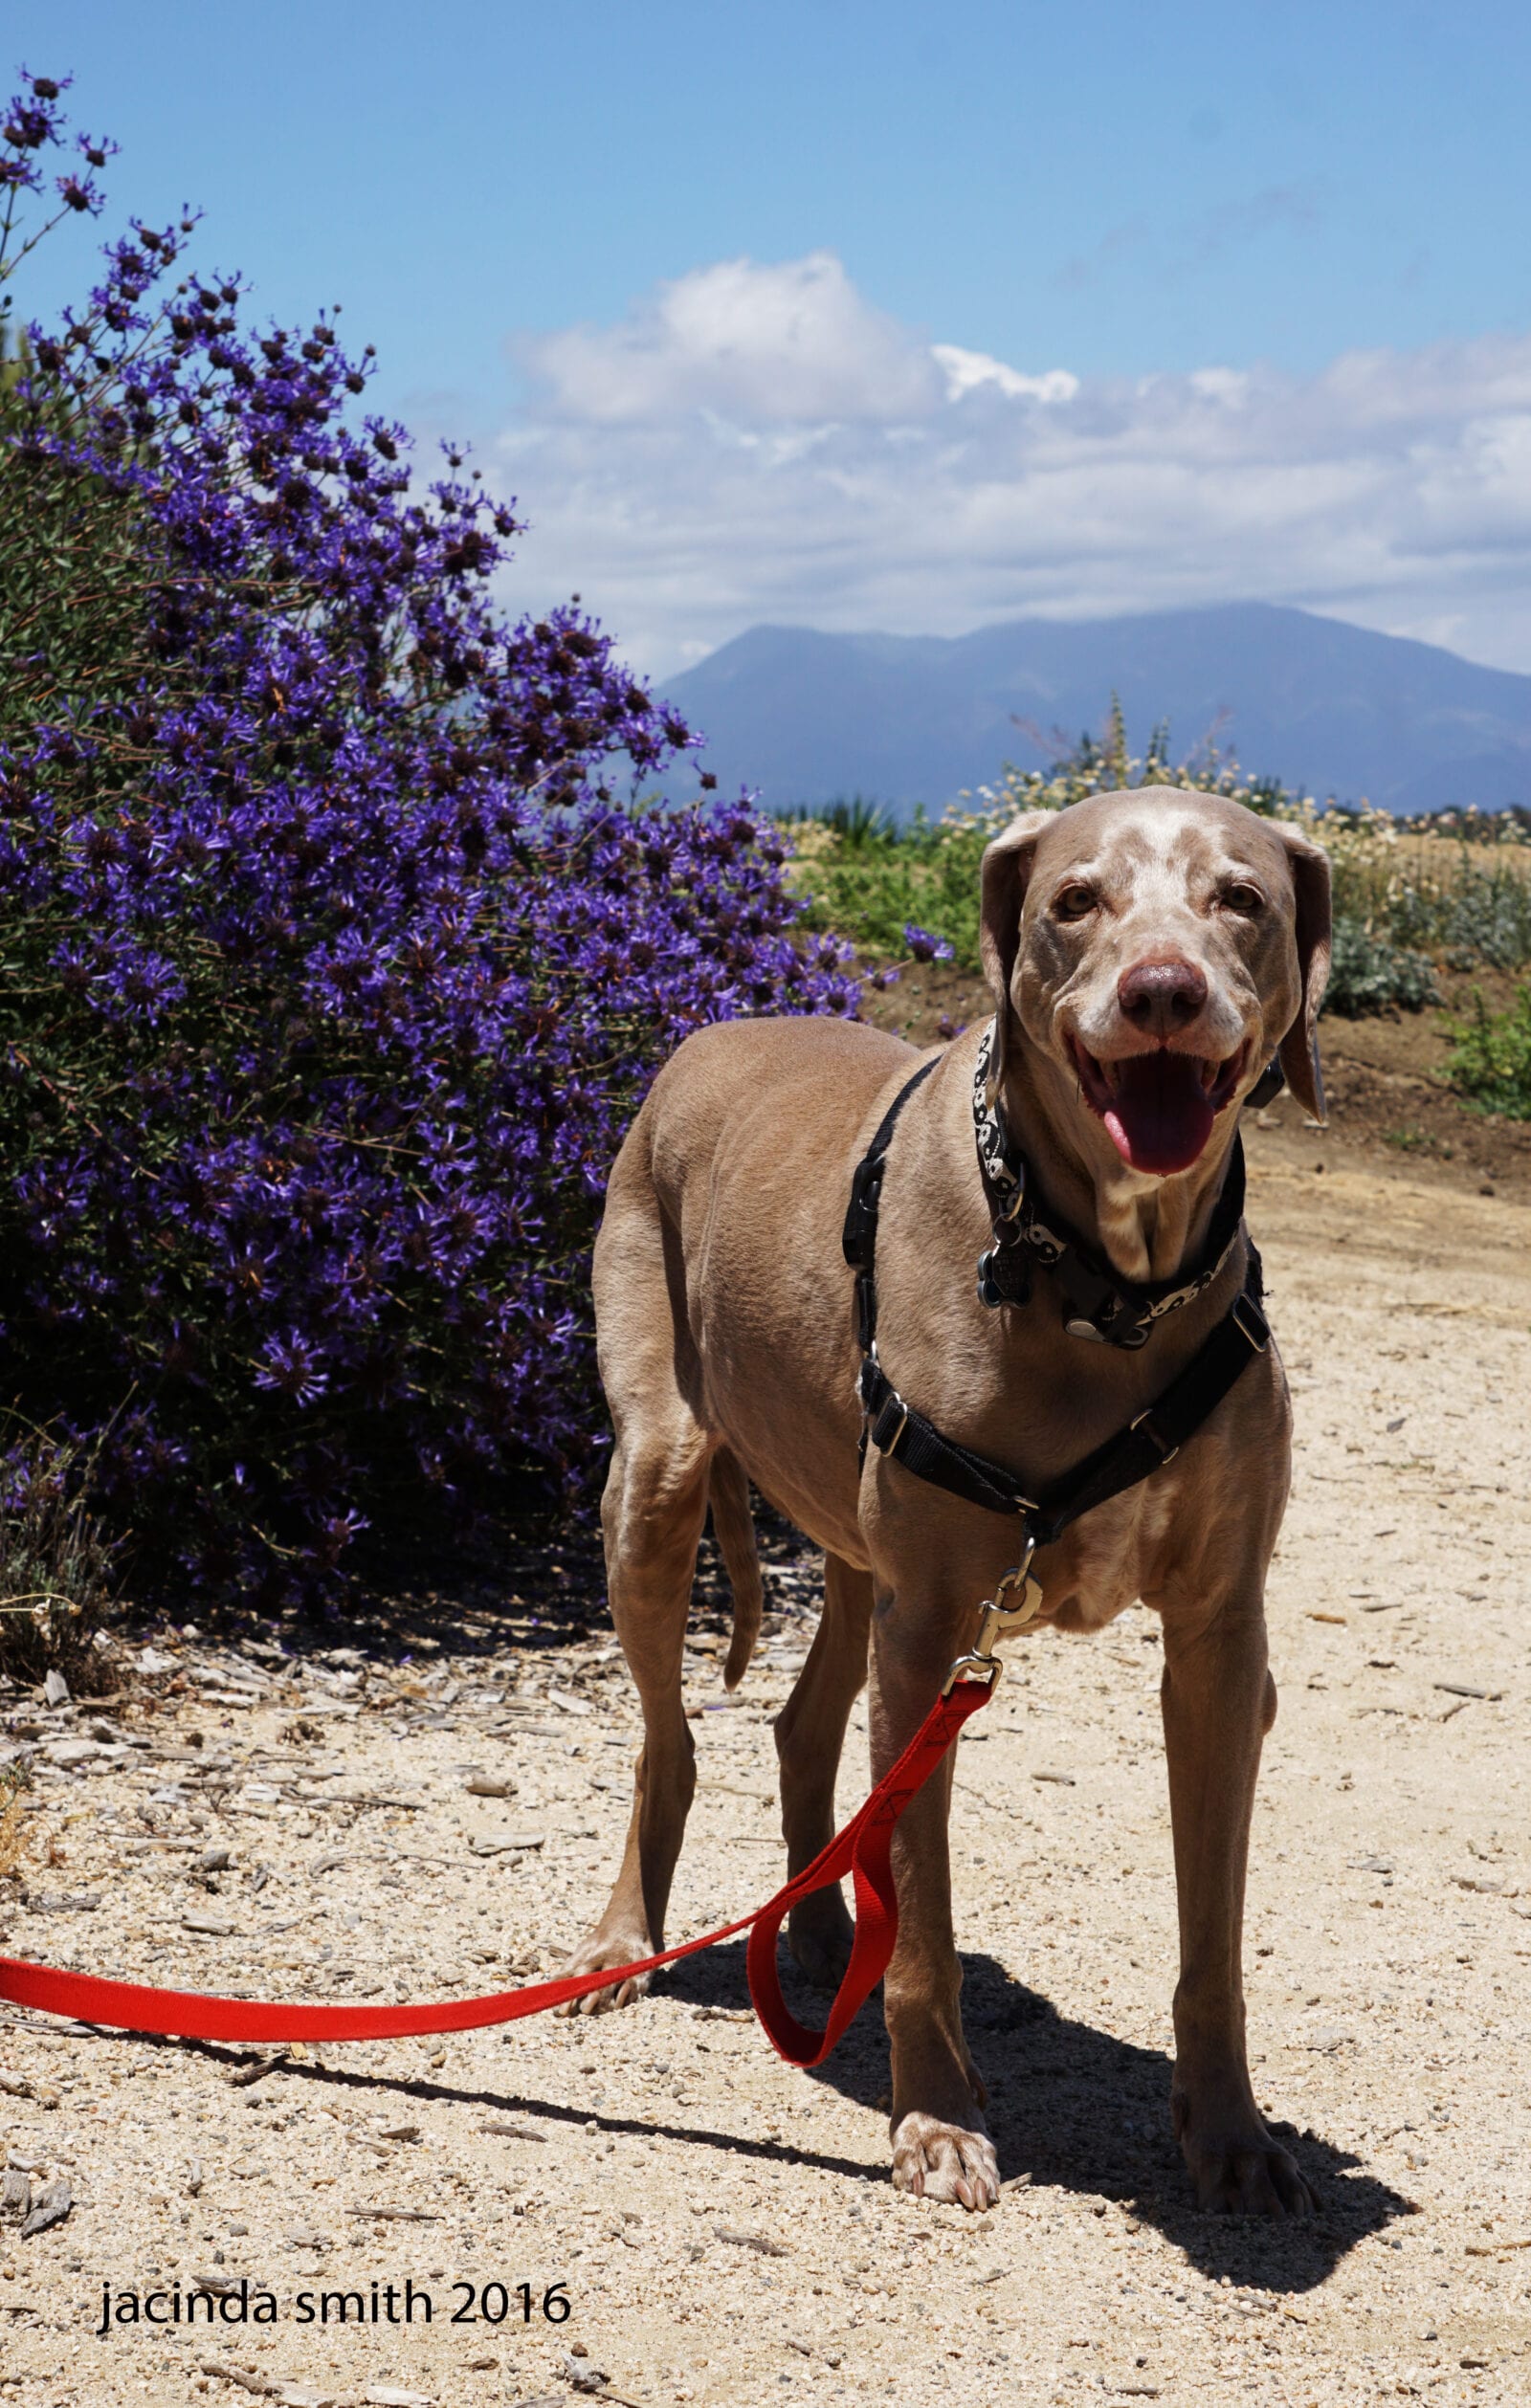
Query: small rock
x=490 y=1786
x=394 y=2396
x=14 y=2085
x=584 y=2378
x=152 y=1660
x=216 y=1860
x=68 y=1753
x=56 y=1690
x=49 y=2208
x=505 y=1843
x=308 y=2237
x=216 y=1927
x=16 y=2191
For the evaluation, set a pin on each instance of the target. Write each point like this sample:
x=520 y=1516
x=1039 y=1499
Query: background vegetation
x=1412 y=898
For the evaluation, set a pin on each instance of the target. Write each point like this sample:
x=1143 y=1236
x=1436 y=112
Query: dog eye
x=1074 y=902
x=1247 y=900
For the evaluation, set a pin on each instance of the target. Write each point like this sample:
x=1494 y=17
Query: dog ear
x=1309 y=865
x=1006 y=871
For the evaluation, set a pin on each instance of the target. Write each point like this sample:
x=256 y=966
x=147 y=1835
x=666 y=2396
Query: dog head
x=1154 y=948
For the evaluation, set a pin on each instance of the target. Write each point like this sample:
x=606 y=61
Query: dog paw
x=1249 y=2174
x=934 y=2161
x=592 y=1956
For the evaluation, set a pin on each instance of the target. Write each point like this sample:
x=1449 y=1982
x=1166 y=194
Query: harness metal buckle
x=1144 y=1422
x=892 y=1403
x=1251 y=1322
x=999 y=1619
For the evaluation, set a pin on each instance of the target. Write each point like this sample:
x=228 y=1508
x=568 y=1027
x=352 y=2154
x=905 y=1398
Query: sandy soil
x=724 y=2227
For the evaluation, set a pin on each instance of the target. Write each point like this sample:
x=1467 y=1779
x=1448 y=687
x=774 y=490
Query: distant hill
x=1328 y=707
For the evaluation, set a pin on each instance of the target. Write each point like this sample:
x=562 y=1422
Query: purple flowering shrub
x=338 y=940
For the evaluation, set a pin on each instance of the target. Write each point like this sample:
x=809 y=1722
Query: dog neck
x=1148 y=1228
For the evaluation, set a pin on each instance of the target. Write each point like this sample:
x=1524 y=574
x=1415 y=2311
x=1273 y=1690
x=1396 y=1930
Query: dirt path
x=724 y=2227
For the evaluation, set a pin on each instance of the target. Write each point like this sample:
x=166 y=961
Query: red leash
x=861 y=1849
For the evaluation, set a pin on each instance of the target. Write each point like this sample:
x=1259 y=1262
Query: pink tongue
x=1160 y=1119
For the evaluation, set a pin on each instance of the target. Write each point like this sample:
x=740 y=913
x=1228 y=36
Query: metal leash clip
x=998 y=1618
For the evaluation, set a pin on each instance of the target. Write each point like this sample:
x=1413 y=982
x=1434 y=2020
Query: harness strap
x=898 y=1430
x=1148 y=1442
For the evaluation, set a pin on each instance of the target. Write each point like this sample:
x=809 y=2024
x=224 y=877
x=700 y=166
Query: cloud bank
x=760 y=443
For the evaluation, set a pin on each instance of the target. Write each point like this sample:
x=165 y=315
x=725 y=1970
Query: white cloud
x=792 y=343
x=760 y=443
x=965 y=372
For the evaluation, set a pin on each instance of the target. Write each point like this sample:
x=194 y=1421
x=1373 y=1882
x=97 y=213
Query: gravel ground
x=305 y=1824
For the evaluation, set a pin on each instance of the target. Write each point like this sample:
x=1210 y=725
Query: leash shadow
x=1076 y=2109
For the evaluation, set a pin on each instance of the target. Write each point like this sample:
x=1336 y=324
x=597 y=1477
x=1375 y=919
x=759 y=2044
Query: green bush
x=1369 y=973
x=1491 y=1062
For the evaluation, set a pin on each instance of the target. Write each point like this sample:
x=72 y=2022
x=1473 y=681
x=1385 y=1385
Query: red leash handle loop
x=862 y=1848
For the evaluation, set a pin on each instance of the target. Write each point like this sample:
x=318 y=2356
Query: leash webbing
x=861 y=1849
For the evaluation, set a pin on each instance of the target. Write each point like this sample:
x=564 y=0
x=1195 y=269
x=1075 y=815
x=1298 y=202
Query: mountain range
x=1329 y=708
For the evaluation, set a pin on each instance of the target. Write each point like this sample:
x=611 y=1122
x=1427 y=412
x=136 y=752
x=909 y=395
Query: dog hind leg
x=652 y=1515
x=809 y=1734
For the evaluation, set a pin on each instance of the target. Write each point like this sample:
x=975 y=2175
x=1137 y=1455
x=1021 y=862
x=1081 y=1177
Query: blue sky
x=1138 y=199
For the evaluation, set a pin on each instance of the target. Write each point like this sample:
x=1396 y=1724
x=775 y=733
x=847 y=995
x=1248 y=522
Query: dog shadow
x=1075 y=2109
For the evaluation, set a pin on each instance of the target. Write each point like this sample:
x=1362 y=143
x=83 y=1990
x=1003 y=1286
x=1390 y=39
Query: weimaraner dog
x=1147 y=953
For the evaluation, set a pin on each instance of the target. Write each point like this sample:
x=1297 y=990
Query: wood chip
x=400 y=2214
x=513 y=2131
x=1459 y=1688
x=507 y=1843
x=243 y=2076
x=1065 y=1780
x=213 y=1927
x=759 y=2241
x=242 y=2376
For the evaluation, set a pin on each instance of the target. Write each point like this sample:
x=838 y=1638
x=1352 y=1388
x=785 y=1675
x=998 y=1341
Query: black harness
x=1096 y=1305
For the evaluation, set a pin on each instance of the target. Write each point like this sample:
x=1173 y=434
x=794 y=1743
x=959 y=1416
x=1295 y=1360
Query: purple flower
x=923 y=946
x=343 y=941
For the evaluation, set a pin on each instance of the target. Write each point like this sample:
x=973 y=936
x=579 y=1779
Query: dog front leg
x=940 y=2146
x=1219 y=1701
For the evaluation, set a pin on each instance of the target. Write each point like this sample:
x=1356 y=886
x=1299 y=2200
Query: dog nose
x=1159 y=997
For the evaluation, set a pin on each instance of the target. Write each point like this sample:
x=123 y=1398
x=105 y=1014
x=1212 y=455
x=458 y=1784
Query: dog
x=1147 y=953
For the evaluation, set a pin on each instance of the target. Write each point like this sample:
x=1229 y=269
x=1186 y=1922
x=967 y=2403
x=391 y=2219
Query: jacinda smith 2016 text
x=214 y=2302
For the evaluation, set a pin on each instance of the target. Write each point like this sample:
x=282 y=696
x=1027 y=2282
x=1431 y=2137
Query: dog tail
x=734 y=1528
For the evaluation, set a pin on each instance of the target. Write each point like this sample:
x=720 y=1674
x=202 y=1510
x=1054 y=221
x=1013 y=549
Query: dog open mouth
x=1159 y=1107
